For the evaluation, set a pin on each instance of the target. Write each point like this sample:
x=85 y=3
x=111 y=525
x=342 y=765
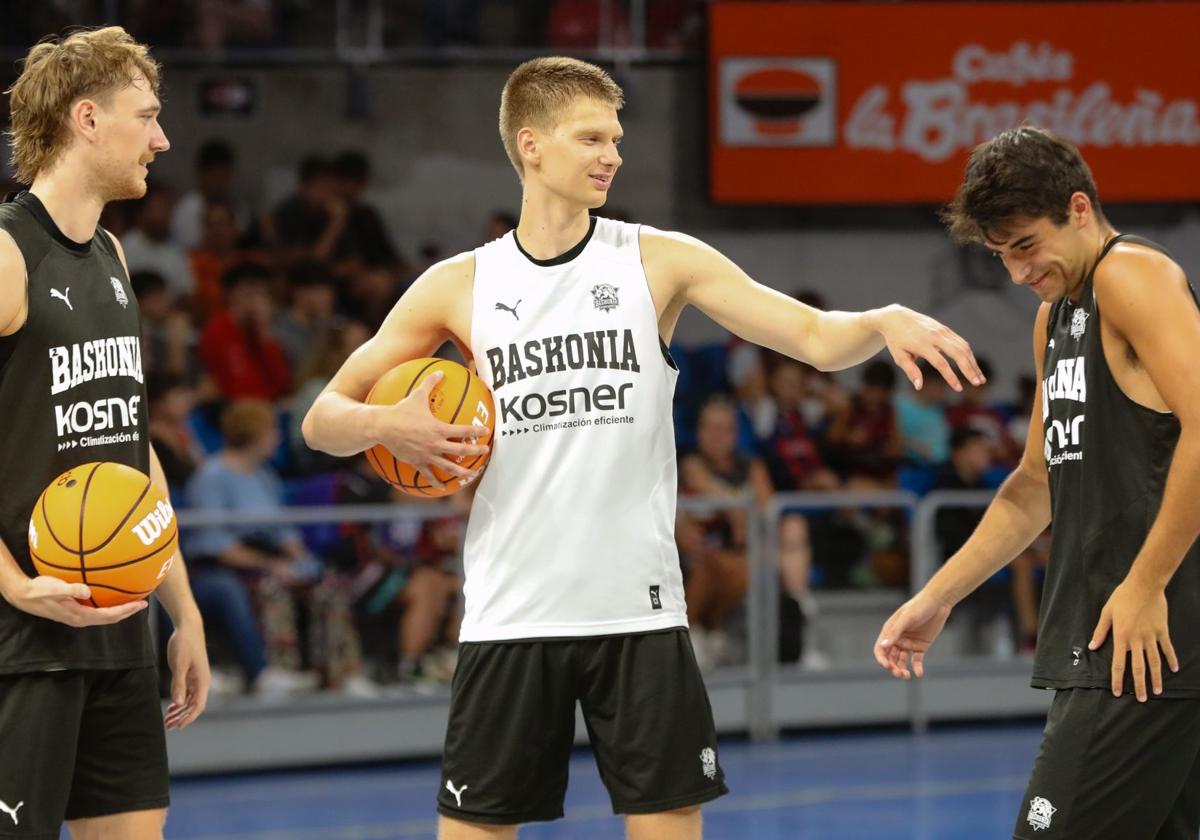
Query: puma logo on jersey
x=458 y=792
x=512 y=309
x=63 y=296
x=12 y=812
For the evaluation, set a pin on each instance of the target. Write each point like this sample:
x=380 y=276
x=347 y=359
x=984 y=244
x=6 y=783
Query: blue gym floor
x=955 y=784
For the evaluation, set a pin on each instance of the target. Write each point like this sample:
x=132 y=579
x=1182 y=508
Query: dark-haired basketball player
x=1114 y=455
x=81 y=730
x=573 y=586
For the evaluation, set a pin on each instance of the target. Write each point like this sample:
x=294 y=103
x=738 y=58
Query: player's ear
x=83 y=117
x=1081 y=208
x=529 y=146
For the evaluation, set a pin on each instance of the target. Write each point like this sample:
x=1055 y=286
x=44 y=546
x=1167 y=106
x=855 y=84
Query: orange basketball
x=106 y=525
x=460 y=398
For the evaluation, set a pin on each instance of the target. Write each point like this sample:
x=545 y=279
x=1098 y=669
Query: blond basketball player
x=573 y=586
x=81 y=730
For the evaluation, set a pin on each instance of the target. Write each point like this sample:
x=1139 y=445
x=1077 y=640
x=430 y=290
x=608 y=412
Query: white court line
x=756 y=802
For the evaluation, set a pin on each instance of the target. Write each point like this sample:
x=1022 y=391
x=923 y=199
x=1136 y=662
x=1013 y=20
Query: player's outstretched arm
x=1017 y=515
x=697 y=274
x=1145 y=299
x=437 y=307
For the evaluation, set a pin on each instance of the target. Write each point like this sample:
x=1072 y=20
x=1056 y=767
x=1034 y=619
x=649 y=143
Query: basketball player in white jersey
x=573 y=587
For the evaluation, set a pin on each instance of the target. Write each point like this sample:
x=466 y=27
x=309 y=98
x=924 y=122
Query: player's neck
x=550 y=228
x=76 y=211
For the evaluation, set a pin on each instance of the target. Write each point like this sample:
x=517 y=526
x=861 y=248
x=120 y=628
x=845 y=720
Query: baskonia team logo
x=605 y=297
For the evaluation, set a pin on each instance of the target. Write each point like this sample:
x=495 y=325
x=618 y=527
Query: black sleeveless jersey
x=1108 y=458
x=71 y=392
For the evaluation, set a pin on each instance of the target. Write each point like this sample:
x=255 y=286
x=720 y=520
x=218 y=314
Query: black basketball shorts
x=512 y=726
x=1111 y=768
x=78 y=744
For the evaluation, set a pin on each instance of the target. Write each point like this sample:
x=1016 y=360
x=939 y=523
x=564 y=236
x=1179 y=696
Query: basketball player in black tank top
x=81 y=729
x=1113 y=456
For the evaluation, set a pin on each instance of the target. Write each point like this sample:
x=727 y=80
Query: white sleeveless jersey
x=572 y=527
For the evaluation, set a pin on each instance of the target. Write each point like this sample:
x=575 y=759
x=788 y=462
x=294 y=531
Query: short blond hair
x=540 y=91
x=88 y=63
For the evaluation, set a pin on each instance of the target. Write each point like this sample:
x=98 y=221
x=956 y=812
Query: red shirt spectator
x=244 y=359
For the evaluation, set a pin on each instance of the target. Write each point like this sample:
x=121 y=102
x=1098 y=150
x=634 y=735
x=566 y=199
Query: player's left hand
x=187 y=657
x=911 y=336
x=1137 y=615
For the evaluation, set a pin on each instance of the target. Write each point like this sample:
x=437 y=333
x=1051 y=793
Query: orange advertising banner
x=872 y=103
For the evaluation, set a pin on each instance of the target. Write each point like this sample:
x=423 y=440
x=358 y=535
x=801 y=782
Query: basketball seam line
x=50 y=528
x=120 y=524
x=46 y=562
x=87 y=485
x=96 y=585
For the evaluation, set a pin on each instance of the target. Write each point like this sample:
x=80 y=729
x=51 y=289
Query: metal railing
x=762 y=675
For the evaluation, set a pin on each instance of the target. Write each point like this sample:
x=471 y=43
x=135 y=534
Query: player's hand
x=187 y=658
x=909 y=633
x=410 y=431
x=55 y=599
x=911 y=336
x=1137 y=616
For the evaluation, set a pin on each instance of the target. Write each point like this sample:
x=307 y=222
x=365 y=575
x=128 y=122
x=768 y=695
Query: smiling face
x=1051 y=260
x=577 y=159
x=127 y=137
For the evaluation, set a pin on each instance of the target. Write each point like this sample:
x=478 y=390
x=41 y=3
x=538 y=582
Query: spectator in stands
x=148 y=246
x=365 y=242
x=974 y=410
x=168 y=337
x=862 y=437
x=747 y=373
x=421 y=565
x=217 y=251
x=921 y=420
x=325 y=356
x=215 y=166
x=793 y=454
x=715 y=546
x=309 y=224
x=1010 y=598
x=237 y=348
x=170 y=401
x=1018 y=425
x=272 y=559
x=313 y=294
x=369 y=295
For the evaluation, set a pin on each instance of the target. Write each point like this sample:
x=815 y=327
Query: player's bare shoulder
x=1133 y=269
x=13 y=305
x=671 y=259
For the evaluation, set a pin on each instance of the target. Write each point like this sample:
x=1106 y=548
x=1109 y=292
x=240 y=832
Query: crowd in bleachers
x=247 y=314
x=264 y=25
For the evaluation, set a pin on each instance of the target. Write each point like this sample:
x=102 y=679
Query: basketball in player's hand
x=460 y=398
x=108 y=526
